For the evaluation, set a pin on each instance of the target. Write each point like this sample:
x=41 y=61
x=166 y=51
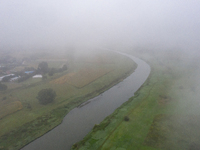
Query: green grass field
x=21 y=127
x=163 y=114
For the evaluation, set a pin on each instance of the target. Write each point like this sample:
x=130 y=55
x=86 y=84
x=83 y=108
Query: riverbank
x=18 y=136
x=163 y=114
x=80 y=121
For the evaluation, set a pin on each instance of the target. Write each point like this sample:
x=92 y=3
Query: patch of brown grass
x=63 y=79
x=83 y=77
x=86 y=76
x=10 y=108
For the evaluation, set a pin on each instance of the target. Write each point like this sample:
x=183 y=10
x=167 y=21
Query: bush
x=52 y=71
x=43 y=67
x=64 y=67
x=126 y=118
x=46 y=96
x=7 y=78
x=24 y=77
x=28 y=105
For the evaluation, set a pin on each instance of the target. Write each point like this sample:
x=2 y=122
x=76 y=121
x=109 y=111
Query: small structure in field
x=37 y=76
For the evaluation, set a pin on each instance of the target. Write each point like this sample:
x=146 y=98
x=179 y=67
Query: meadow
x=83 y=77
x=24 y=119
x=7 y=109
x=163 y=113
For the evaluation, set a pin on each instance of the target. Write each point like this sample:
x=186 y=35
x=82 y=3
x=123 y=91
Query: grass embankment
x=21 y=127
x=163 y=114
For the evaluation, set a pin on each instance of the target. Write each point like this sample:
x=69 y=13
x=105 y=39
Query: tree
x=25 y=77
x=43 y=67
x=52 y=71
x=64 y=67
x=7 y=78
x=46 y=96
x=3 y=87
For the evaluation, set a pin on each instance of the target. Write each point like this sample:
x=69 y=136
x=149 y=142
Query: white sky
x=59 y=23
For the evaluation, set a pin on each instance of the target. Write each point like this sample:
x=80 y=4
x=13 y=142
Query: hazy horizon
x=168 y=24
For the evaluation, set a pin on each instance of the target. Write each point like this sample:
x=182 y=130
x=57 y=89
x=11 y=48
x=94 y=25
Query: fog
x=132 y=26
x=32 y=25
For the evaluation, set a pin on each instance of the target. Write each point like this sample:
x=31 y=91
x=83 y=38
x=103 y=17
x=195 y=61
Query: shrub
x=126 y=118
x=46 y=96
x=7 y=78
x=64 y=67
x=43 y=67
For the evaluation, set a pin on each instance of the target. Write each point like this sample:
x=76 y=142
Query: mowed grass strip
x=83 y=77
x=10 y=108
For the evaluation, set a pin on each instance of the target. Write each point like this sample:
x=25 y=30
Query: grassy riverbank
x=163 y=114
x=33 y=119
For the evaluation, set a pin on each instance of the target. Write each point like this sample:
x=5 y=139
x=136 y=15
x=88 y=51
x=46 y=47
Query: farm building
x=37 y=76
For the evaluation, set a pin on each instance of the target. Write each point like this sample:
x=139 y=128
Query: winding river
x=79 y=121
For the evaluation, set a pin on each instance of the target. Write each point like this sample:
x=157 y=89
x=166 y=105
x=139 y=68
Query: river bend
x=79 y=121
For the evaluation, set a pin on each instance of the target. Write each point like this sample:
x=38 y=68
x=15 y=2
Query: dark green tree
x=3 y=87
x=52 y=71
x=46 y=96
x=43 y=67
x=7 y=78
x=64 y=67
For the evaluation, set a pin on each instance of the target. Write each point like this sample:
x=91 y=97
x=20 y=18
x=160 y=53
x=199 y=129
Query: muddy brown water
x=80 y=121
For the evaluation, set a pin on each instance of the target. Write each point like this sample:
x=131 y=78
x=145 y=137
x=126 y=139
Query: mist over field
x=115 y=24
x=65 y=44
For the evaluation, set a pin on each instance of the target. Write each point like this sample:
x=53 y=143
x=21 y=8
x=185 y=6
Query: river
x=79 y=121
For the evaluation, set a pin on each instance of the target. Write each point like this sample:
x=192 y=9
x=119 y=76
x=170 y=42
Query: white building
x=37 y=76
